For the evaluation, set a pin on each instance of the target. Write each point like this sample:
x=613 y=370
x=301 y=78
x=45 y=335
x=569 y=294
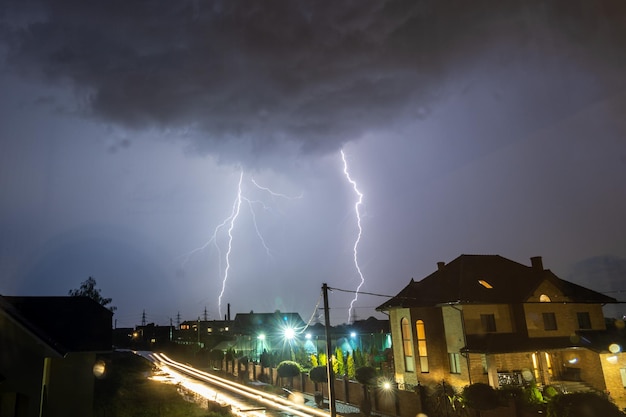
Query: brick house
x=48 y=348
x=485 y=318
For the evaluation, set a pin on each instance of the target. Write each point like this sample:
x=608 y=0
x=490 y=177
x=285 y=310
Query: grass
x=126 y=391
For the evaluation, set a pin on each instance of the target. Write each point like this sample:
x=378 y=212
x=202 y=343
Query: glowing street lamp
x=289 y=333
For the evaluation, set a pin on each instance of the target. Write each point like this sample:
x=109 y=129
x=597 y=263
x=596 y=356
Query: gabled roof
x=503 y=282
x=253 y=323
x=64 y=324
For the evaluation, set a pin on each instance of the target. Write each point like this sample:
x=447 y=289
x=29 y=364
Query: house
x=211 y=332
x=48 y=348
x=485 y=318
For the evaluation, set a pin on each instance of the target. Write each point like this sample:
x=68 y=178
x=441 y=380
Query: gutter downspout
x=45 y=382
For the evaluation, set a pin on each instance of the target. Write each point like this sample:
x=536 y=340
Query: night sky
x=188 y=154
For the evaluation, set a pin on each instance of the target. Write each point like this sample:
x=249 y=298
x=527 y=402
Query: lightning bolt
x=233 y=217
x=355 y=248
x=230 y=223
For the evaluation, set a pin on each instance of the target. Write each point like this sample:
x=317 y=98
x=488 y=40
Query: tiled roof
x=503 y=281
x=65 y=324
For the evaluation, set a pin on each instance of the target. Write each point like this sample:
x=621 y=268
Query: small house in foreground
x=48 y=348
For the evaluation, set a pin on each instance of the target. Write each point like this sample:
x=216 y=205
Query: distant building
x=485 y=318
x=204 y=333
x=48 y=348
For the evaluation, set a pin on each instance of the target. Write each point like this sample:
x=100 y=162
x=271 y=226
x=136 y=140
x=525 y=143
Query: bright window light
x=484 y=283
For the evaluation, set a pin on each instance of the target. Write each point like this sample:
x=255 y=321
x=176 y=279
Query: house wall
x=70 y=379
x=455 y=340
x=395 y=317
x=438 y=361
x=549 y=289
x=614 y=370
x=478 y=371
x=70 y=391
x=21 y=364
x=566 y=318
x=501 y=312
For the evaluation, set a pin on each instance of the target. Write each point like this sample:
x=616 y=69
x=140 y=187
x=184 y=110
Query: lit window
x=485 y=283
x=488 y=322
x=422 y=352
x=549 y=321
x=544 y=298
x=407 y=346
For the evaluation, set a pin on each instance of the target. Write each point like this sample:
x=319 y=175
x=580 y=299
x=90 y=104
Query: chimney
x=440 y=266
x=536 y=263
x=228 y=309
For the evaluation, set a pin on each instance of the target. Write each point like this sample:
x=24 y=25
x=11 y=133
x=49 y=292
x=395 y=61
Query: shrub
x=288 y=369
x=582 y=404
x=480 y=396
x=532 y=395
x=550 y=392
x=319 y=374
x=365 y=375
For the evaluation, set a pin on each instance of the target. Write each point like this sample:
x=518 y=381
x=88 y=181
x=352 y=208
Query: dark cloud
x=607 y=274
x=308 y=75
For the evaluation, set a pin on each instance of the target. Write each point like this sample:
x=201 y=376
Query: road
x=243 y=399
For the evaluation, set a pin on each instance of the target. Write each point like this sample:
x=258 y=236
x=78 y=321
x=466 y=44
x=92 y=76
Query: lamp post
x=260 y=337
x=329 y=366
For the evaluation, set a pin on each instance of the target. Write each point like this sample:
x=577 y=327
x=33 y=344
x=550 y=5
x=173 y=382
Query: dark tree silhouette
x=88 y=289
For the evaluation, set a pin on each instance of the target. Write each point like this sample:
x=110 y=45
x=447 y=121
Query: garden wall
x=402 y=404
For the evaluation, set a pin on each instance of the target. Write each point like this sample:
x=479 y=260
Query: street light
x=289 y=335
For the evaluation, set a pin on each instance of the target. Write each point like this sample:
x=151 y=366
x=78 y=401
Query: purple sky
x=125 y=127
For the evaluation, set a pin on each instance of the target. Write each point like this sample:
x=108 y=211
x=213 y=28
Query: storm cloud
x=307 y=76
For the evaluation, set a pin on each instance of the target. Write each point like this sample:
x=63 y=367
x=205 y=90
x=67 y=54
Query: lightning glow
x=355 y=248
x=229 y=223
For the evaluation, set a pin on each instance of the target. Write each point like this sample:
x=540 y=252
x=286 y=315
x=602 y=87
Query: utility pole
x=329 y=362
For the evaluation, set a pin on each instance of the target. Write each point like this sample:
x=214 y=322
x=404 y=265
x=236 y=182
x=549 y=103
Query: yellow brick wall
x=566 y=318
x=502 y=313
x=547 y=288
x=395 y=317
x=611 y=367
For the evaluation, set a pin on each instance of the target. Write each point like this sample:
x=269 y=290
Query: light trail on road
x=270 y=400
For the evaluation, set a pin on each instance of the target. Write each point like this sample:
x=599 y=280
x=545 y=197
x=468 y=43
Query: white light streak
x=355 y=248
x=273 y=401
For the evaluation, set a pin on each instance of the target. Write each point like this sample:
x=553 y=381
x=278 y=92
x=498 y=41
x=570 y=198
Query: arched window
x=422 y=352
x=407 y=345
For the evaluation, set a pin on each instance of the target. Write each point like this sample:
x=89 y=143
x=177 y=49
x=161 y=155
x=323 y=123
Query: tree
x=319 y=375
x=288 y=369
x=366 y=376
x=88 y=289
